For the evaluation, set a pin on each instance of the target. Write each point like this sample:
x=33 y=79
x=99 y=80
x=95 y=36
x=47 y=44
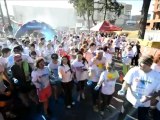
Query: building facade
x=154 y=24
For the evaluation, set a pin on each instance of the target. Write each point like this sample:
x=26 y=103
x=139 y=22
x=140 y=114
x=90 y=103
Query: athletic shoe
x=68 y=107
x=102 y=113
x=83 y=96
x=95 y=108
x=73 y=103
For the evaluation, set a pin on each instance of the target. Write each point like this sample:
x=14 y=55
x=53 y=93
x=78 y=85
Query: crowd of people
x=34 y=70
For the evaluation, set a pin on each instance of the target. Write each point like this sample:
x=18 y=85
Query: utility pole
x=2 y=16
x=9 y=21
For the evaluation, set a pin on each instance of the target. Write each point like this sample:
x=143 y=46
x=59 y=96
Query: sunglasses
x=19 y=60
x=54 y=58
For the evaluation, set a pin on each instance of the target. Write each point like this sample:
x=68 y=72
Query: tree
x=143 y=21
x=111 y=6
x=84 y=8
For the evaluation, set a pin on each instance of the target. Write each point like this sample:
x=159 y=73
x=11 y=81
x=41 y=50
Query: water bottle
x=96 y=88
x=89 y=82
x=15 y=80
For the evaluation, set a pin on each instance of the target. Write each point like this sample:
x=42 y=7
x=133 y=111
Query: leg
x=143 y=113
x=104 y=101
x=64 y=86
x=95 y=94
x=24 y=99
x=108 y=99
x=70 y=87
x=82 y=89
x=55 y=91
x=45 y=107
x=127 y=110
x=156 y=114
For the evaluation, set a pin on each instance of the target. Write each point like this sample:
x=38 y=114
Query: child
x=107 y=81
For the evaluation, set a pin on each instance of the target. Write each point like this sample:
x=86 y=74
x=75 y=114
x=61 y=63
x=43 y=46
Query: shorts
x=44 y=94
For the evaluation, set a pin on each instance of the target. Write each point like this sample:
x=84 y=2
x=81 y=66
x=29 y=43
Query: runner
x=140 y=82
x=107 y=81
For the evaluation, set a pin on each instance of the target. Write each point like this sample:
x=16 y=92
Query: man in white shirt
x=140 y=83
x=19 y=50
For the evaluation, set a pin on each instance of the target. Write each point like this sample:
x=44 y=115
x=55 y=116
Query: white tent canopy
x=97 y=27
x=84 y=29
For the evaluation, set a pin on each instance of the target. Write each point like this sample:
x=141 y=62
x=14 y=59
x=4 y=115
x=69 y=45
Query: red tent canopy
x=105 y=26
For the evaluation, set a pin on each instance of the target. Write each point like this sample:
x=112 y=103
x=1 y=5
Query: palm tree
x=143 y=21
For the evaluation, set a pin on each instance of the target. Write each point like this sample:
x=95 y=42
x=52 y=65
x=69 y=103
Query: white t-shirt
x=65 y=73
x=126 y=57
x=142 y=84
x=97 y=67
x=108 y=57
x=26 y=50
x=3 y=61
x=40 y=78
x=156 y=68
x=54 y=68
x=109 y=81
x=47 y=54
x=78 y=68
x=117 y=42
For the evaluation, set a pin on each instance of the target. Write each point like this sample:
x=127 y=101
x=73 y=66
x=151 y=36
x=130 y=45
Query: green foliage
x=82 y=6
x=109 y=5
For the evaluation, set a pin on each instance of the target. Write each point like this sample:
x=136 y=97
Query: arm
x=35 y=80
x=60 y=72
x=150 y=97
x=101 y=80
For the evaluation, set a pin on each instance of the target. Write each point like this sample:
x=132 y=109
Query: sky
x=136 y=4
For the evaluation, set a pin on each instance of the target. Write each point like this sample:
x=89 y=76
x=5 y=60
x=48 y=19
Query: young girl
x=107 y=81
x=55 y=80
x=65 y=73
x=80 y=68
x=40 y=78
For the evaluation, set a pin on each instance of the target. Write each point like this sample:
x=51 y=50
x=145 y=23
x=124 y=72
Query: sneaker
x=102 y=113
x=95 y=108
x=73 y=103
x=83 y=96
x=69 y=107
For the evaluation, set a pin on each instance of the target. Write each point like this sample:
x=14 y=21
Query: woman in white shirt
x=80 y=68
x=107 y=81
x=97 y=66
x=65 y=73
x=40 y=78
x=55 y=81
